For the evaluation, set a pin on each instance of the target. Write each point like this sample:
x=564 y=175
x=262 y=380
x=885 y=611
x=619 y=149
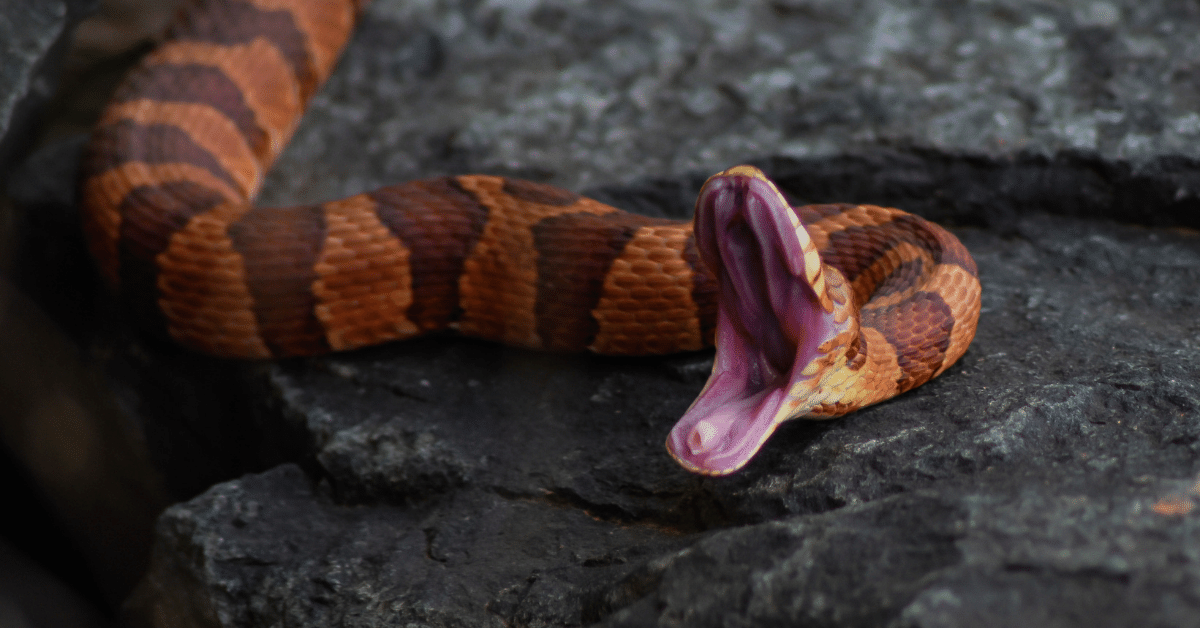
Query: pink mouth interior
x=768 y=326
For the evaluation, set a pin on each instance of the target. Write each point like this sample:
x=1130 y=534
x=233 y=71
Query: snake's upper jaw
x=774 y=314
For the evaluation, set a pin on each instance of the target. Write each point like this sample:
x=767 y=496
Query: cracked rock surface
x=33 y=37
x=1049 y=478
x=1045 y=477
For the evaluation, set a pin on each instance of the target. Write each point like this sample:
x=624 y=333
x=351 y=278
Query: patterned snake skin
x=816 y=311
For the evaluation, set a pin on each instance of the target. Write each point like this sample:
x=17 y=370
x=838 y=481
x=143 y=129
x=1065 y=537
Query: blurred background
x=68 y=554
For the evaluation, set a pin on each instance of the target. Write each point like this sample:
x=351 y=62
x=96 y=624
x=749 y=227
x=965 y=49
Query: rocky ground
x=1050 y=478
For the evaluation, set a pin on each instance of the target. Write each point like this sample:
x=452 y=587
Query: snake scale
x=815 y=311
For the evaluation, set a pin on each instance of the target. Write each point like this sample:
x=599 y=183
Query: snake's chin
x=769 y=326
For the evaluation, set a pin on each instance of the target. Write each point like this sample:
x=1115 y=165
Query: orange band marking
x=365 y=285
x=104 y=193
x=498 y=288
x=202 y=288
x=665 y=321
x=868 y=280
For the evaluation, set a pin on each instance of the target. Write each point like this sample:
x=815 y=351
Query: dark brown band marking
x=149 y=217
x=704 y=290
x=279 y=249
x=230 y=22
x=856 y=353
x=574 y=255
x=855 y=249
x=815 y=213
x=902 y=277
x=126 y=141
x=919 y=328
x=197 y=84
x=539 y=193
x=946 y=249
x=439 y=222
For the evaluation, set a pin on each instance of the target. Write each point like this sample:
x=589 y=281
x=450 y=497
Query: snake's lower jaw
x=773 y=316
x=741 y=405
x=728 y=423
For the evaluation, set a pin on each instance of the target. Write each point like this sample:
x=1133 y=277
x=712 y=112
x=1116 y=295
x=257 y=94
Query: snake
x=815 y=311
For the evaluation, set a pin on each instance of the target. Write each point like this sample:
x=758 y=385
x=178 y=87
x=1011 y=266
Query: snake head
x=775 y=316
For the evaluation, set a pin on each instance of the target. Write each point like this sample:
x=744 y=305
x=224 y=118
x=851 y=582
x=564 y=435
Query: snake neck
x=825 y=387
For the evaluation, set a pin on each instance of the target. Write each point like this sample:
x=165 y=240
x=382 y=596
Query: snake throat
x=774 y=315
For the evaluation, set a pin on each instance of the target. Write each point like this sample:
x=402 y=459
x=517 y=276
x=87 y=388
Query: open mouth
x=771 y=320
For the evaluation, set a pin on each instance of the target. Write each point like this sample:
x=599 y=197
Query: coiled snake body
x=816 y=311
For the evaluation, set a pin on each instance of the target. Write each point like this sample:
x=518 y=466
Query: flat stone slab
x=596 y=93
x=1049 y=477
x=33 y=38
x=1046 y=476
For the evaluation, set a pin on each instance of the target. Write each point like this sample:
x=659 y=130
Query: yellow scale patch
x=850 y=390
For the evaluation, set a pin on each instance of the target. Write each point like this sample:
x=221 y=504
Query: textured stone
x=33 y=36
x=1047 y=479
x=1024 y=486
x=588 y=93
x=271 y=549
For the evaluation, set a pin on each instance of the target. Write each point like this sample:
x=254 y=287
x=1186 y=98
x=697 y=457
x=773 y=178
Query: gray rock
x=33 y=36
x=948 y=557
x=1020 y=488
x=269 y=548
x=1047 y=479
x=595 y=93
